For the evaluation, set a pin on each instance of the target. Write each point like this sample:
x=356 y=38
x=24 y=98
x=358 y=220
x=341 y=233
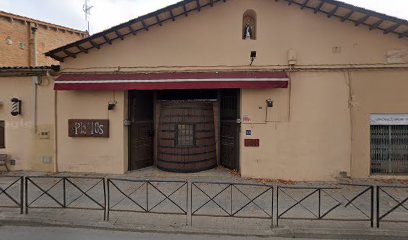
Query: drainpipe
x=36 y=82
x=56 y=169
x=34 y=33
x=36 y=79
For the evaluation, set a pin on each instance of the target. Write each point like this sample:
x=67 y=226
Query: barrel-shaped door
x=186 y=136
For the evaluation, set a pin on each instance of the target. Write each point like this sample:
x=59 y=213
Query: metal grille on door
x=186 y=141
x=389 y=149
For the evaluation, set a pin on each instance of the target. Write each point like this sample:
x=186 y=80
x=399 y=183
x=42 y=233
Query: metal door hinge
x=127 y=123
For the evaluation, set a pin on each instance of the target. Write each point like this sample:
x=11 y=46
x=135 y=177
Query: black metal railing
x=326 y=203
x=65 y=192
x=391 y=204
x=146 y=196
x=11 y=192
x=340 y=202
x=231 y=200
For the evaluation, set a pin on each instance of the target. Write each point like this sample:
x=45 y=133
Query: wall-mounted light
x=15 y=106
x=112 y=105
x=269 y=103
x=252 y=57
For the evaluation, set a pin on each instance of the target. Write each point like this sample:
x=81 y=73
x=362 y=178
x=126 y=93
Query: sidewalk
x=149 y=222
x=332 y=231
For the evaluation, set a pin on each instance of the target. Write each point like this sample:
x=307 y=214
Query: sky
x=108 y=13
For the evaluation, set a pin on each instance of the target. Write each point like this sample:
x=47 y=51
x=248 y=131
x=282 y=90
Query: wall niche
x=249 y=25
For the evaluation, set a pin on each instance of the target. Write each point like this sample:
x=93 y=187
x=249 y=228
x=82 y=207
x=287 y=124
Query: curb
x=312 y=233
x=139 y=229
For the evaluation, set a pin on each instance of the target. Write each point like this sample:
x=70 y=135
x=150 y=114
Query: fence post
x=231 y=199
x=104 y=198
x=26 y=195
x=372 y=206
x=191 y=203
x=21 y=195
x=187 y=203
x=320 y=201
x=147 y=196
x=378 y=206
x=277 y=206
x=108 y=197
x=272 y=188
x=64 y=191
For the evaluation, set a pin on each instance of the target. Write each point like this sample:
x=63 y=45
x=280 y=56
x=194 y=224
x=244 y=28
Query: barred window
x=185 y=135
x=2 y=135
x=389 y=149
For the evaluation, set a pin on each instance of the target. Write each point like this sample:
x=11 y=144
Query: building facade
x=302 y=91
x=24 y=40
x=26 y=76
x=27 y=117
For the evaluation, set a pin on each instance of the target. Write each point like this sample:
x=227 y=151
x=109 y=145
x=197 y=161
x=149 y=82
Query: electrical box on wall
x=292 y=57
x=46 y=159
x=44 y=134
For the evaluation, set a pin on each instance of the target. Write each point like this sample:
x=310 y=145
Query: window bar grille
x=389 y=149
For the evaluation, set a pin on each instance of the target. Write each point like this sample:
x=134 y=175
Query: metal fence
x=392 y=204
x=145 y=196
x=11 y=192
x=344 y=202
x=218 y=199
x=341 y=203
x=86 y=193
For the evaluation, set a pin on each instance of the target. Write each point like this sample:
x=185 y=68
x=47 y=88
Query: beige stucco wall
x=308 y=133
x=102 y=155
x=310 y=143
x=212 y=38
x=373 y=92
x=23 y=144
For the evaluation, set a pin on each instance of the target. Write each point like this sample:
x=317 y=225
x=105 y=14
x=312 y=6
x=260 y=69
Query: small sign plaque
x=248 y=132
x=251 y=142
x=389 y=119
x=246 y=118
x=88 y=128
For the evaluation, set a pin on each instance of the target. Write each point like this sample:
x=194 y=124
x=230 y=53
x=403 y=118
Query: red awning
x=171 y=81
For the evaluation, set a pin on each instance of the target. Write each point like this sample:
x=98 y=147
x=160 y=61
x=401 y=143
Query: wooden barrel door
x=230 y=128
x=186 y=136
x=141 y=132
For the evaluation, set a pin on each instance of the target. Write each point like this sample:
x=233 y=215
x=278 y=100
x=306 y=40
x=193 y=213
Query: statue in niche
x=249 y=28
x=248 y=31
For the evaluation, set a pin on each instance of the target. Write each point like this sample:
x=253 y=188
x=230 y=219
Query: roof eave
x=29 y=71
x=61 y=53
x=53 y=53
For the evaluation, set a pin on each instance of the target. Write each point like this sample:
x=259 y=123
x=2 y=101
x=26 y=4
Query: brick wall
x=16 y=42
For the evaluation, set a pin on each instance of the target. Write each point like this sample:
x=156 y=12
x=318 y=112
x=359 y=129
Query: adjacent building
x=24 y=40
x=27 y=119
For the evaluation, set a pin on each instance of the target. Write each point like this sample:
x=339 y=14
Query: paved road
x=52 y=233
